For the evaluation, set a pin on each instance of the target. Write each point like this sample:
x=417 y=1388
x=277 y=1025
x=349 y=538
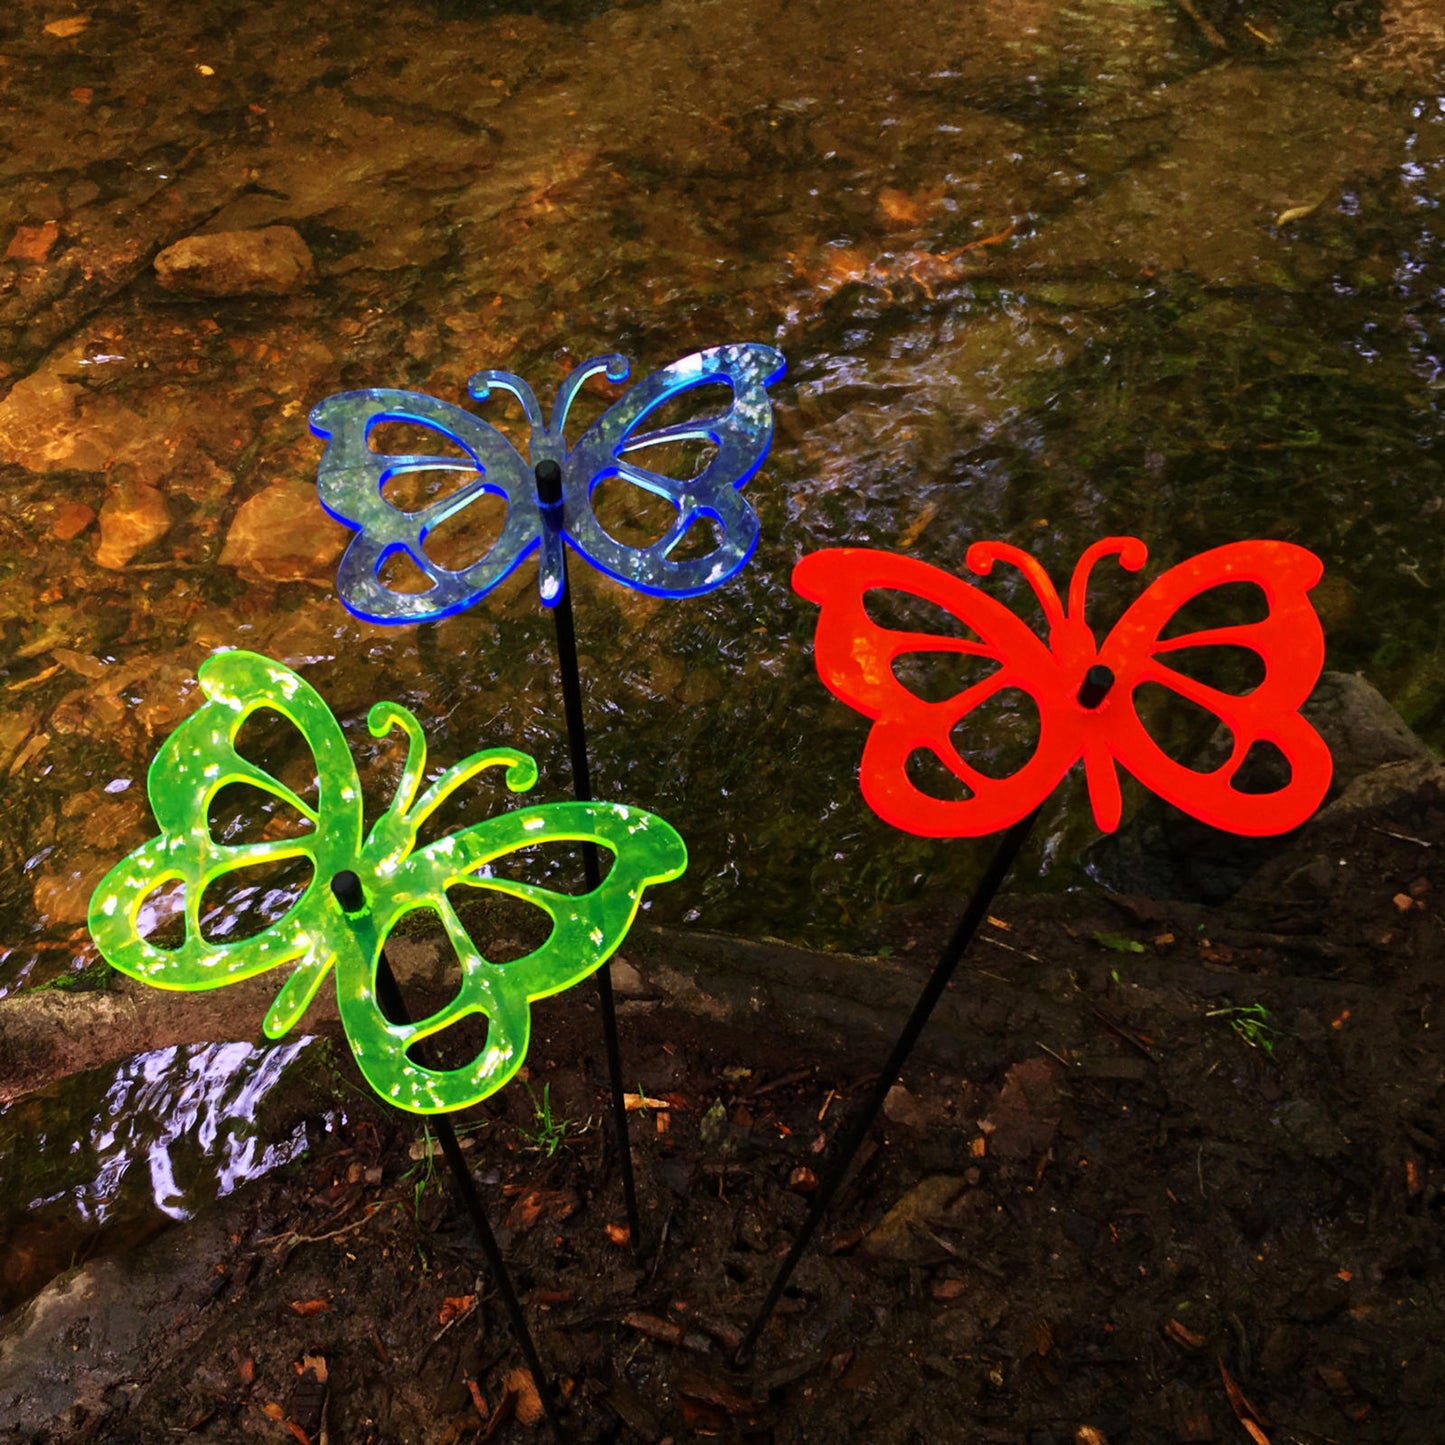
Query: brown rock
x=626 y=981
x=283 y=535
x=32 y=243
x=50 y=424
x=273 y=261
x=902 y=1108
x=134 y=516
x=65 y=897
x=71 y=520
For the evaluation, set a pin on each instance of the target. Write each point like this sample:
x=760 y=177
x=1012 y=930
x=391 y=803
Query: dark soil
x=1148 y=1211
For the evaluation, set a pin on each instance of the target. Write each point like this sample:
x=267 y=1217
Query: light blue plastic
x=352 y=476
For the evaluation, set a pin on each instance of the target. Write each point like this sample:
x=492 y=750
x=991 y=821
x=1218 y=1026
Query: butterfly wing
x=194 y=763
x=616 y=445
x=586 y=930
x=351 y=481
x=855 y=658
x=1290 y=644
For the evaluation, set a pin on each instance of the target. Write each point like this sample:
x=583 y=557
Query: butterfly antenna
x=982 y=555
x=479 y=388
x=1132 y=555
x=616 y=367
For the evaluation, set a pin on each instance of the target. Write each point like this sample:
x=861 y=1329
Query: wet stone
x=134 y=516
x=282 y=535
x=65 y=897
x=272 y=261
x=32 y=243
x=71 y=520
x=902 y=1108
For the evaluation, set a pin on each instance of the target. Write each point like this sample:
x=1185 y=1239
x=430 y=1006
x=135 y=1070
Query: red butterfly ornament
x=855 y=658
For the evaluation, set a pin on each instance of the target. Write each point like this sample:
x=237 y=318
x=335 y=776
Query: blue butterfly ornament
x=353 y=476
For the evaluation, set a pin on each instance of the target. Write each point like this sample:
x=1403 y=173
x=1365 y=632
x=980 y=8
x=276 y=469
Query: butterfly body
x=315 y=935
x=352 y=477
x=855 y=657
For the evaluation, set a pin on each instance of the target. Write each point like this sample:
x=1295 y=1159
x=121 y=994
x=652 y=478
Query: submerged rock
x=134 y=516
x=1164 y=853
x=282 y=535
x=273 y=261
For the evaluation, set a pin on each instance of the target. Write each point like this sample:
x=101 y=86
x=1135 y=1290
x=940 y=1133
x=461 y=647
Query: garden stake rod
x=549 y=495
x=1095 y=688
x=346 y=886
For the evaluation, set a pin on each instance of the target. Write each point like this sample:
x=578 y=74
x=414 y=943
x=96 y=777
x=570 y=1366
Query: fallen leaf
x=272 y=1411
x=454 y=1306
x=506 y=1408
x=72 y=25
x=618 y=1233
x=1403 y=902
x=524 y=1390
x=1298 y=213
x=308 y=1307
x=633 y=1102
x=912 y=533
x=802 y=1180
x=1183 y=1336
x=552 y=1204
x=316 y=1364
x=696 y=1386
x=478 y=1402
x=1244 y=1412
x=1116 y=942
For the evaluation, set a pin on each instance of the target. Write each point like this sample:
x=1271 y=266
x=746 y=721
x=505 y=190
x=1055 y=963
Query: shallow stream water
x=1041 y=272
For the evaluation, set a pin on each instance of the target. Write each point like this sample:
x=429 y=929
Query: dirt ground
x=1186 y=1187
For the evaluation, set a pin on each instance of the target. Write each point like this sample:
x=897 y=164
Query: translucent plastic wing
x=1290 y=644
x=586 y=929
x=193 y=764
x=618 y=444
x=396 y=878
x=353 y=477
x=352 y=480
x=855 y=658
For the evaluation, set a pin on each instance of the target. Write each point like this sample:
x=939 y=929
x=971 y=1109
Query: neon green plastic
x=200 y=758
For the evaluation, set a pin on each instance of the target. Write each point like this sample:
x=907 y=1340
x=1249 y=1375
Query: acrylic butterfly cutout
x=855 y=657
x=200 y=758
x=352 y=481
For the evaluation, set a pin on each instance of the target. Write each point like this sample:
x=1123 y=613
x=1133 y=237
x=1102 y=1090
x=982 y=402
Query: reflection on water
x=101 y=1160
x=202 y=1097
x=1040 y=271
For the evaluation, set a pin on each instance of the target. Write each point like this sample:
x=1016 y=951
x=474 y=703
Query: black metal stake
x=1097 y=683
x=549 y=495
x=346 y=887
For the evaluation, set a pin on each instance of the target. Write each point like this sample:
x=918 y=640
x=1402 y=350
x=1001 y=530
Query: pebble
x=134 y=516
x=273 y=261
x=283 y=535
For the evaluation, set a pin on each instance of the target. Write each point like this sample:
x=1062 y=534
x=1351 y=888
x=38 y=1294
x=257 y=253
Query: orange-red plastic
x=855 y=657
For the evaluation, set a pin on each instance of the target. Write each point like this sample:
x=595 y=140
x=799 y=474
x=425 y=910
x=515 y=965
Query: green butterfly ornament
x=200 y=758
